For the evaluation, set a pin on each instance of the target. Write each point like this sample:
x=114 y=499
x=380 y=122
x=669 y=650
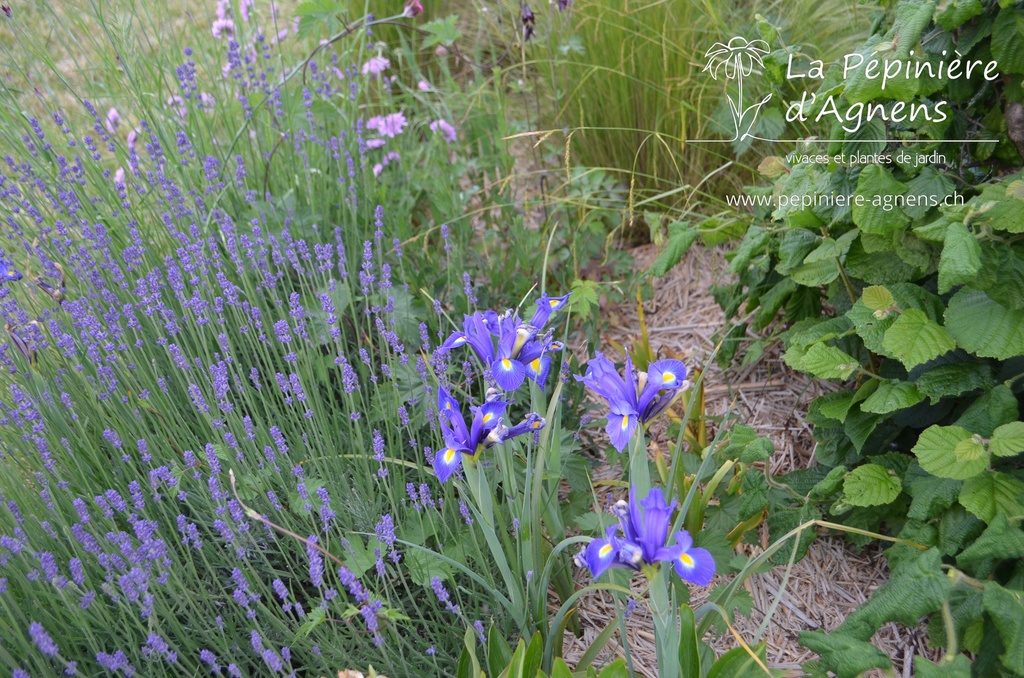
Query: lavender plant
x=224 y=277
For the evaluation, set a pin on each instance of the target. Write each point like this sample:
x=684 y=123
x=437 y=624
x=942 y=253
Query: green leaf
x=689 y=644
x=499 y=654
x=796 y=244
x=836 y=405
x=754 y=243
x=961 y=258
x=936 y=452
x=1008 y=41
x=871 y=485
x=815 y=273
x=559 y=669
x=916 y=588
x=955 y=379
x=970 y=450
x=827 y=362
x=992 y=494
x=746 y=446
x=999 y=541
x=931 y=495
x=873 y=213
x=954 y=13
x=846 y=657
x=680 y=238
x=441 y=32
x=877 y=298
x=754 y=494
x=1007 y=611
x=891 y=396
x=984 y=327
x=829 y=485
x=959 y=667
x=1008 y=440
x=989 y=411
x=617 y=669
x=737 y=663
x=914 y=339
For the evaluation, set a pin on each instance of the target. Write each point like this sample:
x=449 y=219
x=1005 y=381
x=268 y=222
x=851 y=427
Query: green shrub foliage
x=909 y=289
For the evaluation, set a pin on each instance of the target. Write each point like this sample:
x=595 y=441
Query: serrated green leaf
x=984 y=327
x=989 y=411
x=992 y=494
x=877 y=298
x=1008 y=43
x=874 y=212
x=836 y=405
x=1008 y=440
x=999 y=541
x=679 y=241
x=891 y=396
x=795 y=245
x=441 y=32
x=1006 y=609
x=936 y=452
x=815 y=273
x=753 y=244
x=914 y=339
x=969 y=450
x=954 y=13
x=870 y=485
x=931 y=495
x=961 y=258
x=955 y=379
x=827 y=362
x=959 y=667
x=844 y=656
x=829 y=485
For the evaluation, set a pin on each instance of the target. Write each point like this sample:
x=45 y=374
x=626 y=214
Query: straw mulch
x=833 y=579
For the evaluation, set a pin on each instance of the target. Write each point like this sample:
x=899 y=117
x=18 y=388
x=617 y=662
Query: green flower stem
x=482 y=504
x=666 y=621
x=639 y=467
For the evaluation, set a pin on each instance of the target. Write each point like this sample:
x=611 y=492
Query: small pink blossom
x=444 y=129
x=390 y=125
x=385 y=161
x=119 y=176
x=113 y=120
x=376 y=65
x=177 y=104
x=412 y=8
x=374 y=143
x=132 y=136
x=222 y=27
x=243 y=8
x=206 y=101
x=423 y=86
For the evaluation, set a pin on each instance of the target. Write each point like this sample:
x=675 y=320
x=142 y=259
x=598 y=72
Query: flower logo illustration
x=736 y=60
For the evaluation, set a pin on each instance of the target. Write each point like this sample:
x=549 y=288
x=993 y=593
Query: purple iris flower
x=644 y=529
x=638 y=397
x=519 y=352
x=486 y=430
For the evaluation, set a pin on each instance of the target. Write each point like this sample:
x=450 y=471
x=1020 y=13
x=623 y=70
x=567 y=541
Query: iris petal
x=446 y=462
x=508 y=373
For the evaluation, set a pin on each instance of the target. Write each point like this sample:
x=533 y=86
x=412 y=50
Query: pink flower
x=113 y=120
x=423 y=86
x=119 y=176
x=376 y=65
x=412 y=8
x=222 y=27
x=387 y=160
x=132 y=136
x=390 y=125
x=206 y=101
x=374 y=143
x=444 y=129
x=243 y=8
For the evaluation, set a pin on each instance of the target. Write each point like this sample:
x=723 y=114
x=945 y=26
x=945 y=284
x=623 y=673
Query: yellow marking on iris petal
x=686 y=559
x=488 y=417
x=448 y=405
x=535 y=365
x=605 y=550
x=506 y=364
x=553 y=302
x=449 y=455
x=535 y=424
x=667 y=377
x=625 y=422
